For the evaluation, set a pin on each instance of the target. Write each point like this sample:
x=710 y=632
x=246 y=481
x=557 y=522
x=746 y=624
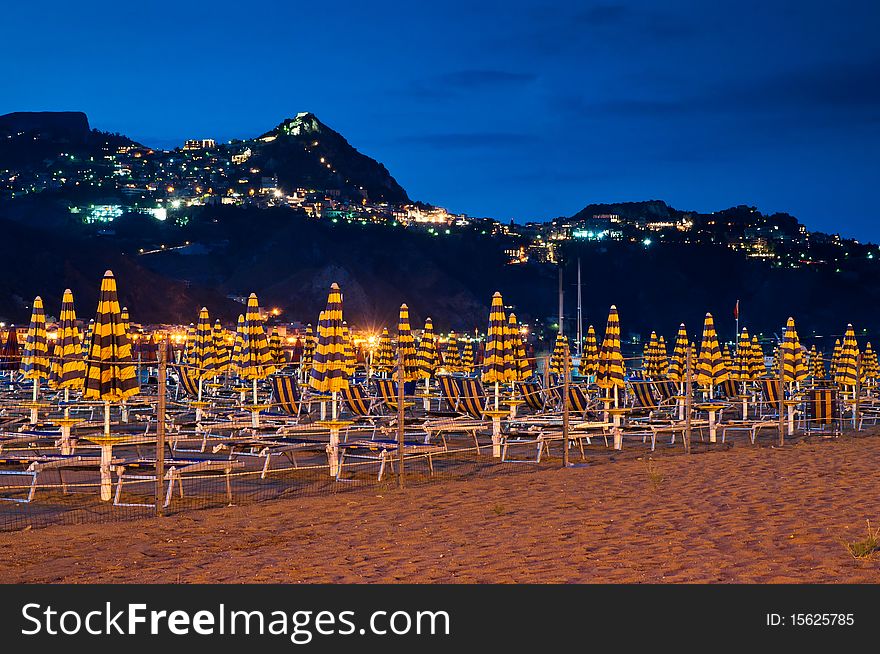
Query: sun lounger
x=176 y=471
x=35 y=466
x=385 y=452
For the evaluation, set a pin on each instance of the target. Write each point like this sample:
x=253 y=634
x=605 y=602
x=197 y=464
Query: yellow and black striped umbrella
x=110 y=373
x=727 y=357
x=557 y=356
x=847 y=371
x=870 y=367
x=497 y=362
x=276 y=350
x=221 y=351
x=68 y=367
x=328 y=366
x=188 y=343
x=835 y=358
x=521 y=366
x=650 y=358
x=406 y=347
x=428 y=358
x=256 y=359
x=452 y=357
x=662 y=358
x=350 y=358
x=87 y=338
x=791 y=355
x=611 y=371
x=589 y=365
x=467 y=358
x=126 y=322
x=742 y=360
x=237 y=342
x=758 y=368
x=308 y=353
x=710 y=364
x=383 y=360
x=200 y=358
x=35 y=356
x=817 y=365
x=678 y=363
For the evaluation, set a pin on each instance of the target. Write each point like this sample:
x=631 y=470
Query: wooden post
x=858 y=392
x=565 y=410
x=400 y=426
x=688 y=398
x=160 y=431
x=781 y=408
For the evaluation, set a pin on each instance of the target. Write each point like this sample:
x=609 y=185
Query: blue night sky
x=514 y=109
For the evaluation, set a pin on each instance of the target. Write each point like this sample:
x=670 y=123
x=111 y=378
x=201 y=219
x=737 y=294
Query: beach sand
x=749 y=514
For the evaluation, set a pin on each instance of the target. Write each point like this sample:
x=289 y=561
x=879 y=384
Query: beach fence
x=168 y=461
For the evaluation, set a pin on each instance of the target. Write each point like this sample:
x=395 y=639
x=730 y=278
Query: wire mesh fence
x=236 y=443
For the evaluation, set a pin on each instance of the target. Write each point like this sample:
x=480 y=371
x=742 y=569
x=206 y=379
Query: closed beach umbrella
x=327 y=374
x=791 y=355
x=497 y=361
x=710 y=364
x=557 y=356
x=757 y=361
x=847 y=370
x=662 y=358
x=68 y=367
x=276 y=349
x=650 y=357
x=452 y=357
x=35 y=357
x=110 y=373
x=870 y=366
x=383 y=360
x=589 y=365
x=256 y=359
x=406 y=347
x=350 y=357
x=428 y=357
x=237 y=342
x=727 y=358
x=835 y=358
x=678 y=363
x=742 y=360
x=522 y=369
x=87 y=338
x=221 y=351
x=11 y=354
x=611 y=370
x=467 y=358
x=308 y=353
x=817 y=366
x=201 y=359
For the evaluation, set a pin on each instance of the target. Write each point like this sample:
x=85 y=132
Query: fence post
x=688 y=399
x=160 y=429
x=566 y=371
x=400 y=417
x=781 y=408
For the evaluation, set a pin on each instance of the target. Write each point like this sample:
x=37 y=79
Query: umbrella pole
x=255 y=414
x=496 y=396
x=106 y=456
x=34 y=411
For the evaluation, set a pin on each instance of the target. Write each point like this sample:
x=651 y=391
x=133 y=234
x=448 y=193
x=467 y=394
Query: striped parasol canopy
x=817 y=365
x=327 y=374
x=452 y=357
x=87 y=338
x=221 y=351
x=650 y=358
x=201 y=358
x=742 y=360
x=188 y=343
x=10 y=358
x=757 y=361
x=406 y=347
x=497 y=361
x=428 y=356
x=662 y=358
x=109 y=372
x=727 y=357
x=710 y=364
x=847 y=370
x=791 y=355
x=557 y=356
x=383 y=360
x=308 y=354
x=350 y=357
x=678 y=362
x=522 y=369
x=870 y=367
x=237 y=342
x=467 y=358
x=589 y=365
x=611 y=370
x=256 y=359
x=35 y=357
x=835 y=357
x=68 y=367
x=126 y=322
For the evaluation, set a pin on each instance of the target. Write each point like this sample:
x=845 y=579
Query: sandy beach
x=749 y=514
